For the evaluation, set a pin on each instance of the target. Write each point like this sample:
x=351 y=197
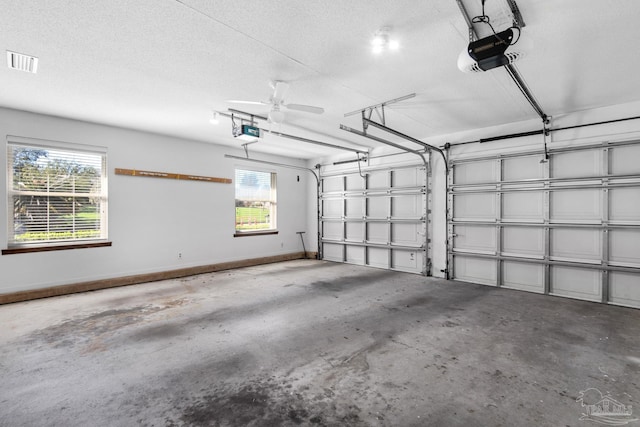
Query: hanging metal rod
x=384 y=141
x=368 y=122
x=517 y=16
x=519 y=81
x=311 y=141
x=382 y=104
x=472 y=32
x=297 y=138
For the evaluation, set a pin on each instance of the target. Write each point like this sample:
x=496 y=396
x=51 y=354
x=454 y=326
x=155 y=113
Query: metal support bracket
x=367 y=112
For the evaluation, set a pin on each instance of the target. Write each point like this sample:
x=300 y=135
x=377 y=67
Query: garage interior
x=301 y=213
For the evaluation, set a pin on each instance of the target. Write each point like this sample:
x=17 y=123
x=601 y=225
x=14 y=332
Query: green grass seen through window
x=252 y=219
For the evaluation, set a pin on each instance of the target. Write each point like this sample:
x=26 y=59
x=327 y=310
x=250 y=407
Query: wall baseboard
x=95 y=285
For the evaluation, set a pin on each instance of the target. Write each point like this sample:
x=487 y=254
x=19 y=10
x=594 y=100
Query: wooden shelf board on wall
x=167 y=175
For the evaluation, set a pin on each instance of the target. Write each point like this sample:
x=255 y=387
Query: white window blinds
x=255 y=200
x=57 y=194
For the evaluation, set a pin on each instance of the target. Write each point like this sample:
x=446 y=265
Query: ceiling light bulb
x=214 y=120
x=378 y=40
x=381 y=41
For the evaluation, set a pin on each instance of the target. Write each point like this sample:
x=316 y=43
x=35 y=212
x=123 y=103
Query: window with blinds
x=255 y=201
x=57 y=193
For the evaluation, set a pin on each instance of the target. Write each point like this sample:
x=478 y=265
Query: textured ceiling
x=164 y=65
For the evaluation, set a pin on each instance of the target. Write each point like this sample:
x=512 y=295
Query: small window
x=57 y=194
x=255 y=201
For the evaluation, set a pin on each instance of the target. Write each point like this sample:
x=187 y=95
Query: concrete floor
x=312 y=343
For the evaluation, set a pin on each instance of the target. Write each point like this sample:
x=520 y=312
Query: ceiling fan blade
x=305 y=108
x=236 y=101
x=279 y=91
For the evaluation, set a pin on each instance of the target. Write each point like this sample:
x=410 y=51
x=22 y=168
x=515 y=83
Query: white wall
x=151 y=220
x=627 y=130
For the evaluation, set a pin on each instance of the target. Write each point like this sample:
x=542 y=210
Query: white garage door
x=377 y=219
x=569 y=226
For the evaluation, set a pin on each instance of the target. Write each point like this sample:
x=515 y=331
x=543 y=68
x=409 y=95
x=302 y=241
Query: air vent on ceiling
x=21 y=62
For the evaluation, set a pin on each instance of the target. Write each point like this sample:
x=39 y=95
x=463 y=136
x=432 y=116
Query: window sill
x=254 y=233
x=26 y=249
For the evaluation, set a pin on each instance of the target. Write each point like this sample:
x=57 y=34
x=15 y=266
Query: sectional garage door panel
x=576 y=206
x=333 y=183
x=407 y=234
x=477 y=172
x=522 y=168
x=475 y=207
x=407 y=207
x=332 y=208
x=354 y=232
x=568 y=225
x=377 y=217
x=354 y=182
x=355 y=254
x=407 y=261
x=378 y=208
x=624 y=160
x=354 y=208
x=624 y=248
x=577 y=164
x=332 y=230
x=333 y=252
x=475 y=238
x=524 y=242
x=378 y=180
x=477 y=270
x=623 y=288
x=576 y=283
x=576 y=244
x=523 y=276
x=523 y=206
x=378 y=257
x=378 y=232
x=624 y=205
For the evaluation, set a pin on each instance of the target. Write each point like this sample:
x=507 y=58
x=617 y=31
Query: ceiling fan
x=276 y=101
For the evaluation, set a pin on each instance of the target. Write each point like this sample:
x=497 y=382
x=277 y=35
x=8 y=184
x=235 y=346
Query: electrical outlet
x=179 y=255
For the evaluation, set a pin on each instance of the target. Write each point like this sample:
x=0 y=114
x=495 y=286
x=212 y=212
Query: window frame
x=273 y=200
x=15 y=247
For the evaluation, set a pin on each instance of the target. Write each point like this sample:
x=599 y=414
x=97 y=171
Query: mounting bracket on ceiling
x=515 y=13
x=517 y=16
x=367 y=112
